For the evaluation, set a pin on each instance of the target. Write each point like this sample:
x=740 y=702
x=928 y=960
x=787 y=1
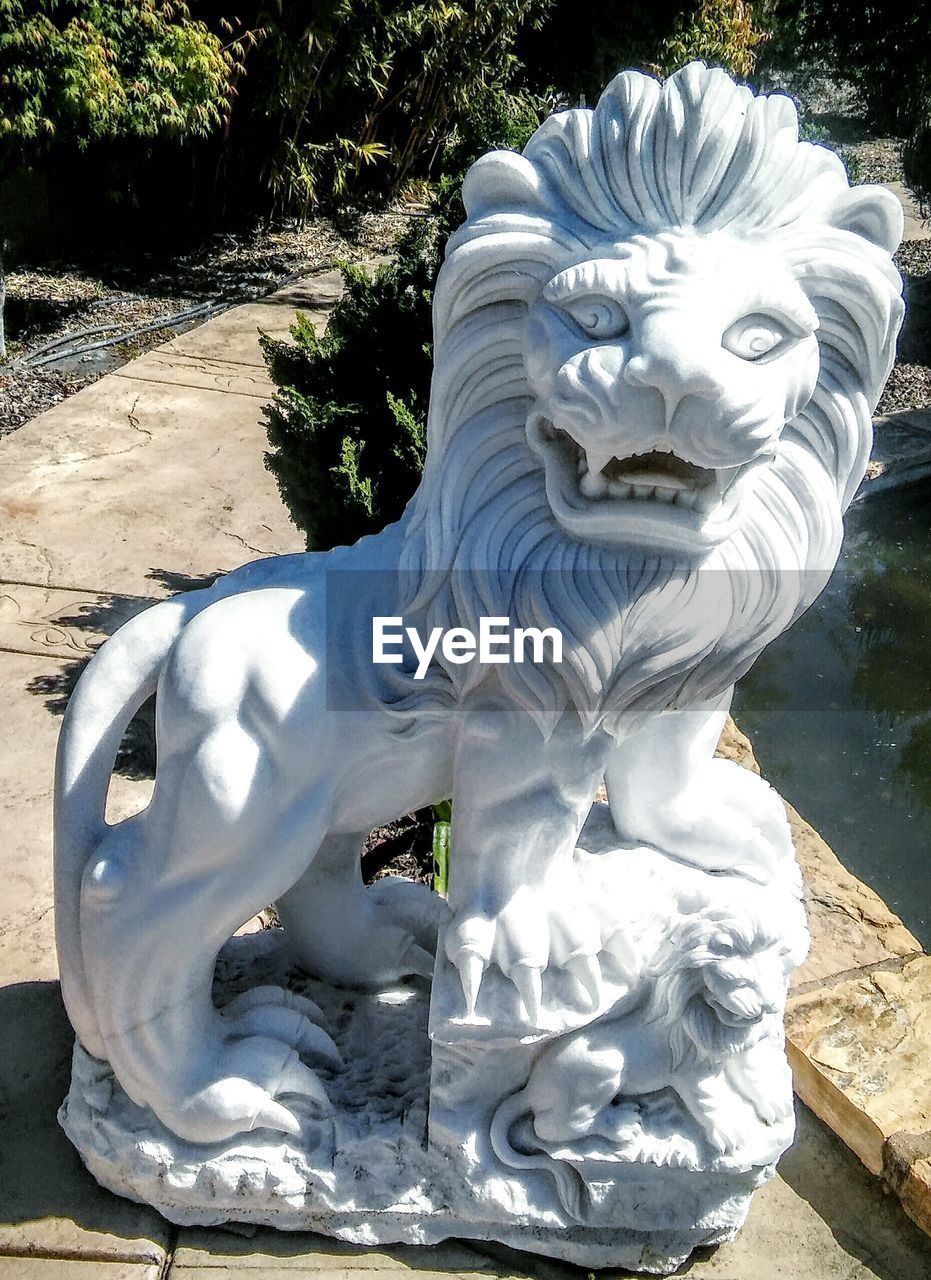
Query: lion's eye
x=598 y=317
x=754 y=337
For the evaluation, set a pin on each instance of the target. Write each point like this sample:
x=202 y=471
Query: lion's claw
x=276 y=1013
x=471 y=969
x=254 y=1065
x=251 y=1075
x=723 y=1140
x=587 y=972
x=529 y=983
x=272 y=1115
x=540 y=929
x=290 y=1027
x=272 y=995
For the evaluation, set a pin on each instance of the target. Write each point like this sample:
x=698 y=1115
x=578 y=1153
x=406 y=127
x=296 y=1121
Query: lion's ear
x=502 y=180
x=872 y=212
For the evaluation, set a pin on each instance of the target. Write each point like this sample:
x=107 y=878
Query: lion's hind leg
x=356 y=935
x=153 y=920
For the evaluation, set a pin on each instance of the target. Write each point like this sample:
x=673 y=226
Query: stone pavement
x=916 y=226
x=141 y=485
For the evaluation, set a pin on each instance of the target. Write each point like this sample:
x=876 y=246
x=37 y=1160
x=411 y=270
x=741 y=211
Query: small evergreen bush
x=347 y=427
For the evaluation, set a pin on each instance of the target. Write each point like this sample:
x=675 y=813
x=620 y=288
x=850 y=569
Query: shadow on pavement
x=103 y=616
x=41 y=1176
x=865 y=1219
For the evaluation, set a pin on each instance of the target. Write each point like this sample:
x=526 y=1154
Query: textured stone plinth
x=427 y=1142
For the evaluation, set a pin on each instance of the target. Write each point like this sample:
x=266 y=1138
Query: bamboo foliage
x=369 y=90
x=91 y=70
x=724 y=33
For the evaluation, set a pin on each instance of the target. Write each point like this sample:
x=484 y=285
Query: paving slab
x=48 y=1203
x=129 y=480
x=49 y=1206
x=60 y=622
x=33 y=695
x=264 y=1252
x=274 y=1272
x=822 y=1218
x=73 y=1269
x=234 y=335
x=916 y=227
x=205 y=373
x=27 y=947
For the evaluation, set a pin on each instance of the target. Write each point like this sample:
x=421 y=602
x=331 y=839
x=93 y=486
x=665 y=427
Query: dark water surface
x=839 y=708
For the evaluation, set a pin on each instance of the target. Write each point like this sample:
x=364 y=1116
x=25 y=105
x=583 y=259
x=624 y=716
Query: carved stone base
x=641 y=1194
x=366 y=1175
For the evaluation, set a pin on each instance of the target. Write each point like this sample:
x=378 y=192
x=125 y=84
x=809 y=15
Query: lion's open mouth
x=656 y=476
x=668 y=499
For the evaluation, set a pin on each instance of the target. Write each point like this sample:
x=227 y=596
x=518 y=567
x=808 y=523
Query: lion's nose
x=675 y=374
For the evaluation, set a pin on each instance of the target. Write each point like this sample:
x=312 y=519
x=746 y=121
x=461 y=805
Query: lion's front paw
x=771 y=1109
x=250 y=1075
x=731 y=1122
x=416 y=914
x=724 y=1135
x=540 y=930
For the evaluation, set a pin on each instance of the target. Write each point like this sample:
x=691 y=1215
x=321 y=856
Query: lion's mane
x=480 y=538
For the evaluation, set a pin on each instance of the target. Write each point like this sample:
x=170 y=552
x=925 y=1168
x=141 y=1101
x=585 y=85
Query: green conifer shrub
x=347 y=426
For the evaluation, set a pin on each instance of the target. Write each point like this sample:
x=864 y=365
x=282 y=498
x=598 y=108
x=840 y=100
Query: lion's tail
x=569 y=1185
x=117 y=681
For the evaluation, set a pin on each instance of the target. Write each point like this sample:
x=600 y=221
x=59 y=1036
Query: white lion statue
x=659 y=338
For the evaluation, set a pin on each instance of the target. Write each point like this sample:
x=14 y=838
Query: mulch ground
x=51 y=309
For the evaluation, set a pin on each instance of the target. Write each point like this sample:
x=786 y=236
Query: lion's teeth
x=643 y=491
x=597 y=459
x=665 y=495
x=724 y=478
x=593 y=485
x=685 y=498
x=657 y=479
x=620 y=489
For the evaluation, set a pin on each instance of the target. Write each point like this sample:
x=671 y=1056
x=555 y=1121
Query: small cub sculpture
x=659 y=337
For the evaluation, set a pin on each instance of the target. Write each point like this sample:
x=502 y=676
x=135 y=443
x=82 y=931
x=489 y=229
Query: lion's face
x=664 y=372
x=741 y=990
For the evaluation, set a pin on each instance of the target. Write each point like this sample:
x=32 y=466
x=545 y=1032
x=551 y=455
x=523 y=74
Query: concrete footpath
x=146 y=483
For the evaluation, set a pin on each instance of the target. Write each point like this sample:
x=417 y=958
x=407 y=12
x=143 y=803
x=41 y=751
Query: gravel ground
x=909 y=385
x=116 y=298
x=877 y=159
